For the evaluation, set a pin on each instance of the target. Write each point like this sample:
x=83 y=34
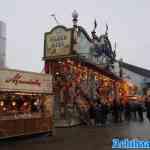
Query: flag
x=106 y=28
x=95 y=24
x=114 y=52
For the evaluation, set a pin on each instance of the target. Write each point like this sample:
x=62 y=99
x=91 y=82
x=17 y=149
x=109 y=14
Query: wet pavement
x=81 y=137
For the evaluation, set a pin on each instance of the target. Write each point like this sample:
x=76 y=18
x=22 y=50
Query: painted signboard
x=22 y=81
x=57 y=42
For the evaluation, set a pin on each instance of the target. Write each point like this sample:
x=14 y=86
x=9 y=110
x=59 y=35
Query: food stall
x=128 y=91
x=78 y=84
x=26 y=103
x=81 y=75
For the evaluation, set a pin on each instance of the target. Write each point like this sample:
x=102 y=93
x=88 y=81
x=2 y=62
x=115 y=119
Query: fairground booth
x=83 y=69
x=26 y=103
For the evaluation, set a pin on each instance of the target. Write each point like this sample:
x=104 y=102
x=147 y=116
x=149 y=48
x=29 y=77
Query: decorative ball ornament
x=75 y=20
x=75 y=14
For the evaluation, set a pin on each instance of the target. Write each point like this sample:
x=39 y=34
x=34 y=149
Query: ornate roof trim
x=59 y=26
x=81 y=29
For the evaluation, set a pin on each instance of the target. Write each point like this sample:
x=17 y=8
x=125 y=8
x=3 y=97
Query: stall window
x=11 y=103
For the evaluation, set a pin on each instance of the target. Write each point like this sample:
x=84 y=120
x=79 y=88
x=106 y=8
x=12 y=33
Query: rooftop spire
x=94 y=32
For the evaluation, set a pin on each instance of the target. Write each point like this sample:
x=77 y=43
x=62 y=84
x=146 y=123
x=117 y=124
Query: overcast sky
x=27 y=20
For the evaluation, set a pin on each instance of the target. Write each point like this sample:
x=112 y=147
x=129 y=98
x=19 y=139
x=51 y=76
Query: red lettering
x=17 y=80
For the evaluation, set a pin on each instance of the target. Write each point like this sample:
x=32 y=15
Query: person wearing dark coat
x=140 y=111
x=115 y=111
x=92 y=113
x=127 y=111
x=120 y=110
x=134 y=109
x=97 y=114
x=147 y=105
x=104 y=112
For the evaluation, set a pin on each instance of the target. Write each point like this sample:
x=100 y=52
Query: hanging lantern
x=25 y=103
x=96 y=77
x=79 y=65
x=4 y=109
x=13 y=103
x=2 y=103
x=75 y=68
x=35 y=103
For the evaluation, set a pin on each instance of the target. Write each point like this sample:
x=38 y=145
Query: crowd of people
x=99 y=112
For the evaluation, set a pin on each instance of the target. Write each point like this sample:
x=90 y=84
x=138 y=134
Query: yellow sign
x=58 y=42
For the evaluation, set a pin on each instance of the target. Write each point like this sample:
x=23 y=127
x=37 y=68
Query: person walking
x=140 y=111
x=97 y=112
x=84 y=115
x=91 y=113
x=134 y=109
x=104 y=112
x=120 y=110
x=127 y=111
x=147 y=105
x=115 y=111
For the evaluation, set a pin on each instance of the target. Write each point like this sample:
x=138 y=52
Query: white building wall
x=2 y=44
x=116 y=69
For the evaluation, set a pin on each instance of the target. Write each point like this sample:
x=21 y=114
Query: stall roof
x=136 y=69
x=86 y=62
x=103 y=71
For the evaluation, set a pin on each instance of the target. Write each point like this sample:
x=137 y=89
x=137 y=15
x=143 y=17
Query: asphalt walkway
x=81 y=137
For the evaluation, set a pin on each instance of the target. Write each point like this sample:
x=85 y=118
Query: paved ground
x=80 y=138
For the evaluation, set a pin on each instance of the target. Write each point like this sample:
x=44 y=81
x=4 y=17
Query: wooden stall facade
x=26 y=103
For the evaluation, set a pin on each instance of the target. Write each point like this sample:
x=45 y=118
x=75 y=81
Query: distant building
x=2 y=44
x=137 y=75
